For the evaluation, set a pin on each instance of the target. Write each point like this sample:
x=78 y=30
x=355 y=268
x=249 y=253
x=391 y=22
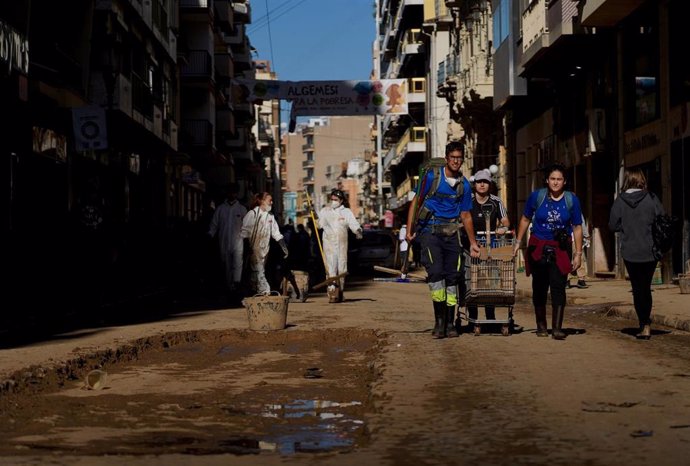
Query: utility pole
x=379 y=155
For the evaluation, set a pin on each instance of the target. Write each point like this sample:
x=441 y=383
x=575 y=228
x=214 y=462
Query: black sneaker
x=582 y=284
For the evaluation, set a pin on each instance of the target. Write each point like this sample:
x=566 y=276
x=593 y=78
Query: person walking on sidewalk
x=443 y=198
x=555 y=215
x=335 y=220
x=258 y=227
x=485 y=204
x=632 y=215
x=227 y=225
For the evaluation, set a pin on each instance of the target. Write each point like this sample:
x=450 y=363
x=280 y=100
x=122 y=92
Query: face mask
x=267 y=208
x=335 y=204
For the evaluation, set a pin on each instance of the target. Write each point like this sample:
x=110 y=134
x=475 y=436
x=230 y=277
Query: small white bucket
x=266 y=312
x=684 y=282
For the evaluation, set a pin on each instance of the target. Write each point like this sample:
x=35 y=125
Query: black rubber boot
x=451 y=330
x=439 y=319
x=540 y=314
x=557 y=322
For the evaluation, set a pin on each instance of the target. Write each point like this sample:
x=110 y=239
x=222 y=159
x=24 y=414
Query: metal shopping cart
x=490 y=279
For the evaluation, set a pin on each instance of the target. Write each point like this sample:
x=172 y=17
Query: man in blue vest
x=441 y=206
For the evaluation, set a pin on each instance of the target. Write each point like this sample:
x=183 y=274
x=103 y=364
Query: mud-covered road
x=359 y=383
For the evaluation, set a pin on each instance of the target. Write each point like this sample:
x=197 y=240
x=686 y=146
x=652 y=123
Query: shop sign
x=14 y=49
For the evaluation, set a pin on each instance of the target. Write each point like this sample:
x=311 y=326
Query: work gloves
x=283 y=246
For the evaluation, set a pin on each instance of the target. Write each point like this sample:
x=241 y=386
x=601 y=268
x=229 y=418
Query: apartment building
x=325 y=144
x=266 y=132
x=402 y=53
x=596 y=85
x=216 y=132
x=114 y=138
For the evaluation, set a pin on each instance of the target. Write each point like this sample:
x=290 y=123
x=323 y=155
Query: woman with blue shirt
x=556 y=217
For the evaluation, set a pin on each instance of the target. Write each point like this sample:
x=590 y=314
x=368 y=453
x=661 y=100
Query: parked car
x=377 y=247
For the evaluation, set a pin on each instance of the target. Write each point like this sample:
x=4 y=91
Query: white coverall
x=227 y=223
x=335 y=223
x=259 y=227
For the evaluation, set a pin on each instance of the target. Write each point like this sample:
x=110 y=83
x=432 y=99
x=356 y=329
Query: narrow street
x=363 y=378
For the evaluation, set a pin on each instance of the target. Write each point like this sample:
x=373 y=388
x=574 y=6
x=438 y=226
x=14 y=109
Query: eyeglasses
x=456 y=159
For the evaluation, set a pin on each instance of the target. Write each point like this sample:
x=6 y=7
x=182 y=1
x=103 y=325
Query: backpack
x=541 y=197
x=664 y=230
x=436 y=164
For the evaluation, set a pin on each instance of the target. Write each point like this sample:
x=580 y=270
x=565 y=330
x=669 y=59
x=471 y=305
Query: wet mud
x=205 y=392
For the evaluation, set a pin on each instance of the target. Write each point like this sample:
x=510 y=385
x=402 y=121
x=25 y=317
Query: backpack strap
x=541 y=197
x=459 y=187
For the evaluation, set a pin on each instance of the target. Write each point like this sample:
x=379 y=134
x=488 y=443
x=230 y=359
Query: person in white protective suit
x=258 y=227
x=335 y=219
x=227 y=225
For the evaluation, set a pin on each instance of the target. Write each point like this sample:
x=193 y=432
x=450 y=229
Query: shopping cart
x=490 y=279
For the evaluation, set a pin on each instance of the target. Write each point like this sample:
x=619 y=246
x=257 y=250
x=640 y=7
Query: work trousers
x=233 y=267
x=641 y=274
x=441 y=256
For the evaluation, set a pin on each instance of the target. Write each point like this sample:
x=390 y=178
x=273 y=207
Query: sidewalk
x=671 y=308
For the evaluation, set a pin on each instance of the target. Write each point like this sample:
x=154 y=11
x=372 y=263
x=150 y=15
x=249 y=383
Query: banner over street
x=326 y=98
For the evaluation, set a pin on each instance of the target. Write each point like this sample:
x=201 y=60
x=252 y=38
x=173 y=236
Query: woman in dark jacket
x=632 y=215
x=556 y=219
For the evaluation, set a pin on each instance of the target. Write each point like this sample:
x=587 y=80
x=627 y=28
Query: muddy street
x=362 y=382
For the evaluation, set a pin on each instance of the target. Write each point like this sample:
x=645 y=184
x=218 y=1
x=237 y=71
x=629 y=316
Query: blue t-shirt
x=448 y=205
x=552 y=215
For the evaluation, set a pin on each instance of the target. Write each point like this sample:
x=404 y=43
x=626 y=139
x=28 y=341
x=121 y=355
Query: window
x=501 y=22
x=641 y=68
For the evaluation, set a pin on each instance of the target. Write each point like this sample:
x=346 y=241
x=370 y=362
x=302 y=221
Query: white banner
x=324 y=98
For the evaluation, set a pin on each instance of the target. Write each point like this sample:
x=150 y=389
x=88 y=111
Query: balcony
x=307 y=130
x=224 y=66
x=404 y=188
x=413 y=140
x=412 y=42
x=199 y=65
x=197 y=133
x=607 y=13
x=224 y=15
x=560 y=18
x=225 y=121
x=417 y=90
x=308 y=164
x=238 y=140
x=236 y=36
x=142 y=97
x=309 y=147
x=308 y=180
x=243 y=11
x=196 y=10
x=447 y=69
x=535 y=32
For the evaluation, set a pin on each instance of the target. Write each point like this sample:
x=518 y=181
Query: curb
x=626 y=312
x=673 y=322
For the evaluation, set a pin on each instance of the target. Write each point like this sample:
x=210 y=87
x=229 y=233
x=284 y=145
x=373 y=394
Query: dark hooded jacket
x=632 y=215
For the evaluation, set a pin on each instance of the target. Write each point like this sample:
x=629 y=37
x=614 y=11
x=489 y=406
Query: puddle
x=205 y=393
